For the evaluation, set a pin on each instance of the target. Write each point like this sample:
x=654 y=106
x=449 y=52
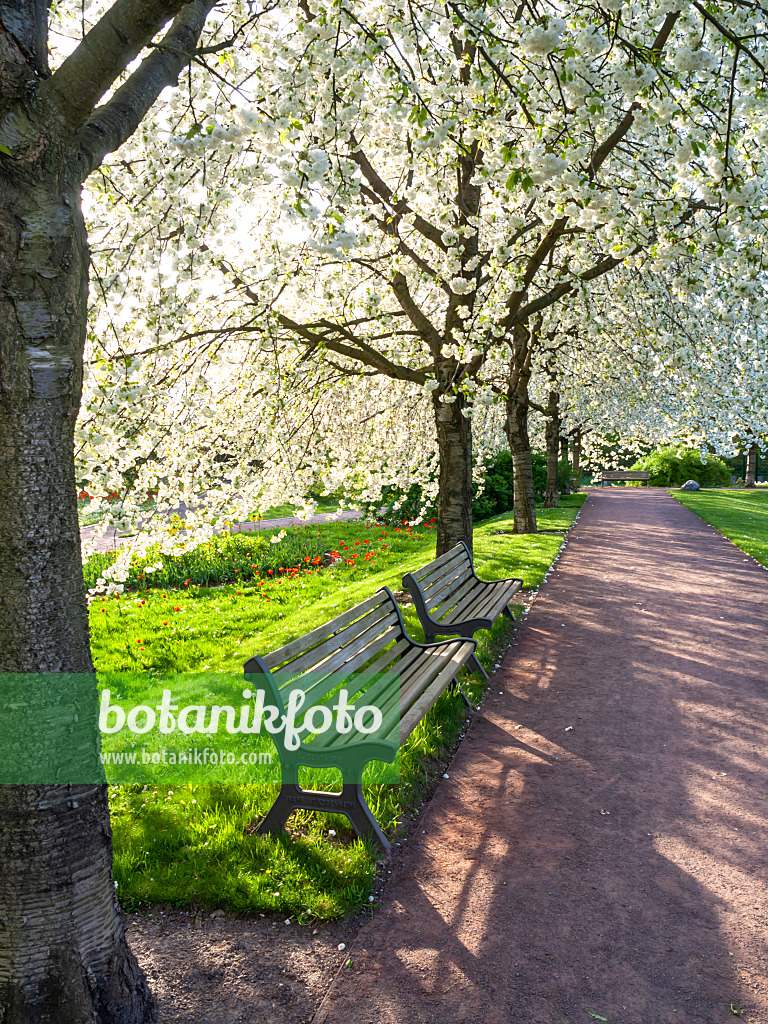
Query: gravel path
x=599 y=850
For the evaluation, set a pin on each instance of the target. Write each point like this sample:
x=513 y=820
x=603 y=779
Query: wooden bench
x=451 y=600
x=612 y=476
x=367 y=651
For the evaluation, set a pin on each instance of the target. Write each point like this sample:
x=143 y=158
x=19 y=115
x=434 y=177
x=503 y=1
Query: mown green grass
x=742 y=516
x=195 y=845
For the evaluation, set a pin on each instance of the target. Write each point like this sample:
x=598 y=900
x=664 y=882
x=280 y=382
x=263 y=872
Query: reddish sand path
x=616 y=870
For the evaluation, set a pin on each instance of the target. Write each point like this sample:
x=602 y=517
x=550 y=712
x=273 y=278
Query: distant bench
x=451 y=600
x=367 y=651
x=612 y=476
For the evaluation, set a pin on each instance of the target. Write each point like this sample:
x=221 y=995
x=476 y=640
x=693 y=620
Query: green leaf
x=5 y=150
x=596 y=1016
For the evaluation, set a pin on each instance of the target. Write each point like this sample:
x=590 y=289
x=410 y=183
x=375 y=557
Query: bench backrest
x=442 y=577
x=315 y=662
x=629 y=474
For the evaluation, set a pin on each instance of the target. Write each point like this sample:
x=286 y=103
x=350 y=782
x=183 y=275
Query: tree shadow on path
x=598 y=851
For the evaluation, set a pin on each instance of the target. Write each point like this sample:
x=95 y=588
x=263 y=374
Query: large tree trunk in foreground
x=63 y=954
x=454 y=507
x=750 y=477
x=553 y=450
x=516 y=429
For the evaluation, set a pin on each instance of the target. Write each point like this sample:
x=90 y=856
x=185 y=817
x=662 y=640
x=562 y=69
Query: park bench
x=451 y=600
x=367 y=651
x=615 y=475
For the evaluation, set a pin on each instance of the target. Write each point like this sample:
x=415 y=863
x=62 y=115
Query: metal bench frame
x=455 y=601
x=356 y=645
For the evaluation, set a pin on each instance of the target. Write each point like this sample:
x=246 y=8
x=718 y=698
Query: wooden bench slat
x=398 y=704
x=502 y=600
x=450 y=567
x=422 y=669
x=468 y=608
x=303 y=643
x=444 y=609
x=419 y=708
x=374 y=692
x=457 y=549
x=497 y=601
x=315 y=655
x=350 y=640
x=344 y=662
x=434 y=596
x=423 y=673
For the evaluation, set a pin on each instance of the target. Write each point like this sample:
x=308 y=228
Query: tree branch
x=352 y=349
x=420 y=321
x=384 y=193
x=604 y=150
x=113 y=42
x=23 y=45
x=119 y=118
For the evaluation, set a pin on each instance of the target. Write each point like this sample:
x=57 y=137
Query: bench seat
x=452 y=600
x=367 y=652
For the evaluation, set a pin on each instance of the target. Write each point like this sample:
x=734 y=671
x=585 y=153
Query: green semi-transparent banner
x=199 y=728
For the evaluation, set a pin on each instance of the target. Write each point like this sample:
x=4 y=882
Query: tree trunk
x=516 y=429
x=63 y=954
x=565 y=460
x=751 y=474
x=576 y=464
x=454 y=505
x=553 y=450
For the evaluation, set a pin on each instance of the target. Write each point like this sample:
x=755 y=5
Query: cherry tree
x=63 y=954
x=457 y=175
x=675 y=359
x=446 y=186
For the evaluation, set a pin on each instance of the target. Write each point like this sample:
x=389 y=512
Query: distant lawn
x=284 y=511
x=194 y=845
x=742 y=516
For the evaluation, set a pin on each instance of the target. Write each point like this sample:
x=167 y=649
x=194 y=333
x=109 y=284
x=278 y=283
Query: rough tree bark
x=576 y=456
x=63 y=953
x=750 y=477
x=564 y=458
x=516 y=429
x=454 y=508
x=552 y=433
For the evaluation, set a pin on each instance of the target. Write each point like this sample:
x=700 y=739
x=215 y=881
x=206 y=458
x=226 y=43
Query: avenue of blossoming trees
x=431 y=199
x=353 y=241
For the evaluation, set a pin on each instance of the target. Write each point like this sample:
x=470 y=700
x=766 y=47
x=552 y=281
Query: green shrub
x=671 y=467
x=498 y=493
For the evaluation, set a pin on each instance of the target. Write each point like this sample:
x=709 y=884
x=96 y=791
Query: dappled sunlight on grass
x=196 y=845
x=742 y=516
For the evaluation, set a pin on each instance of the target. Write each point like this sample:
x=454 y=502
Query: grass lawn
x=742 y=516
x=194 y=845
